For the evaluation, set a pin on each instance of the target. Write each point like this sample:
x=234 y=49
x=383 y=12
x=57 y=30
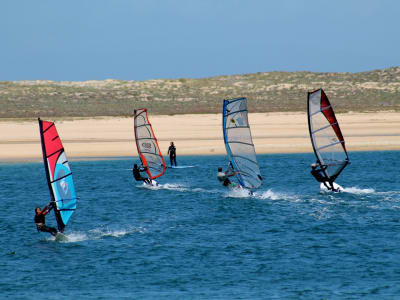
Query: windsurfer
x=172 y=154
x=136 y=174
x=40 y=219
x=321 y=177
x=224 y=176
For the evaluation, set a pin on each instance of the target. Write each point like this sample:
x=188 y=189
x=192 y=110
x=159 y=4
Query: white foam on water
x=96 y=234
x=238 y=193
x=269 y=194
x=74 y=237
x=101 y=232
x=358 y=191
x=71 y=237
x=165 y=186
x=181 y=167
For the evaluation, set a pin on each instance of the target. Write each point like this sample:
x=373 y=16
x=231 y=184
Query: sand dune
x=194 y=135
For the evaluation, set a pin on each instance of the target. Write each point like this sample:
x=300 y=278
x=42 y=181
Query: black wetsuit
x=172 y=155
x=138 y=176
x=40 y=221
x=320 y=177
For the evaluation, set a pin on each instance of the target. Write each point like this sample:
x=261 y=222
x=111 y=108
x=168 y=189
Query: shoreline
x=194 y=134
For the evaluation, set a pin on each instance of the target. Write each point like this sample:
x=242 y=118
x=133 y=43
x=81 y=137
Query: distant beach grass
x=377 y=90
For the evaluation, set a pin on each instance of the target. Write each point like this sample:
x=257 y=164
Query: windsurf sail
x=147 y=145
x=58 y=173
x=239 y=143
x=326 y=137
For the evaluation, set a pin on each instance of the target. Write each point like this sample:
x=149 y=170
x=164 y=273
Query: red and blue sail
x=58 y=173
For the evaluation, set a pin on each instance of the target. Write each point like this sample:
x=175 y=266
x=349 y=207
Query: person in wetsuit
x=320 y=176
x=40 y=219
x=224 y=176
x=172 y=154
x=136 y=174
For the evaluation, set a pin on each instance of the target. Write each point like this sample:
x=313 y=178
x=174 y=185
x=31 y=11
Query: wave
x=238 y=193
x=358 y=191
x=181 y=167
x=96 y=234
x=165 y=186
x=269 y=194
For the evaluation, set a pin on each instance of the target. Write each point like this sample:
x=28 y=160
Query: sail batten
x=148 y=150
x=58 y=174
x=239 y=143
x=326 y=137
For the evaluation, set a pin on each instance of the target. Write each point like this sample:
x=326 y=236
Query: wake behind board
x=338 y=188
x=180 y=167
x=60 y=237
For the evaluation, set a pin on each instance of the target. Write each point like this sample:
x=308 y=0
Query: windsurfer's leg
x=333 y=187
x=327 y=186
x=48 y=229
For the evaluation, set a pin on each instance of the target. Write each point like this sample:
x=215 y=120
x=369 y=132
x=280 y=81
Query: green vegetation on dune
x=266 y=92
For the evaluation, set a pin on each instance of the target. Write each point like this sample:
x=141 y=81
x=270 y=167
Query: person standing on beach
x=172 y=154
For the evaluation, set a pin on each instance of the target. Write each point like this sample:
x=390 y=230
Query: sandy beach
x=194 y=135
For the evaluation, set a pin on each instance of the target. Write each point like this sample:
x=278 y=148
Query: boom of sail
x=239 y=143
x=147 y=145
x=326 y=137
x=58 y=173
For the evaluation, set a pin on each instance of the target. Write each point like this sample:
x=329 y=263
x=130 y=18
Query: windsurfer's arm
x=47 y=209
x=231 y=174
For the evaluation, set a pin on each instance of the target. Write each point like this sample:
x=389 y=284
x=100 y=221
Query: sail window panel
x=239 y=135
x=64 y=189
x=315 y=102
x=321 y=137
x=239 y=142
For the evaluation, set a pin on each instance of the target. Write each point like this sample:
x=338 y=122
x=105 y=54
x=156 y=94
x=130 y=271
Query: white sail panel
x=325 y=134
x=147 y=145
x=239 y=144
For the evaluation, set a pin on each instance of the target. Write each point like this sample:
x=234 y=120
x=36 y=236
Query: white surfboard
x=153 y=183
x=337 y=187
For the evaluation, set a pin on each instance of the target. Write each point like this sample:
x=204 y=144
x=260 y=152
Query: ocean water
x=190 y=238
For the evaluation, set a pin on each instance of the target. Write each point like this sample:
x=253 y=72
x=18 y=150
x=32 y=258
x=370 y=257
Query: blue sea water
x=190 y=238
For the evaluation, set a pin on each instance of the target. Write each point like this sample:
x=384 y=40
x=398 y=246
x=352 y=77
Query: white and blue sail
x=239 y=143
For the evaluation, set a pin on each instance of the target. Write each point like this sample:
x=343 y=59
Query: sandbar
x=193 y=134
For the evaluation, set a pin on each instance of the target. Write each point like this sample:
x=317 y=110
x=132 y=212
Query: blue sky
x=148 y=39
